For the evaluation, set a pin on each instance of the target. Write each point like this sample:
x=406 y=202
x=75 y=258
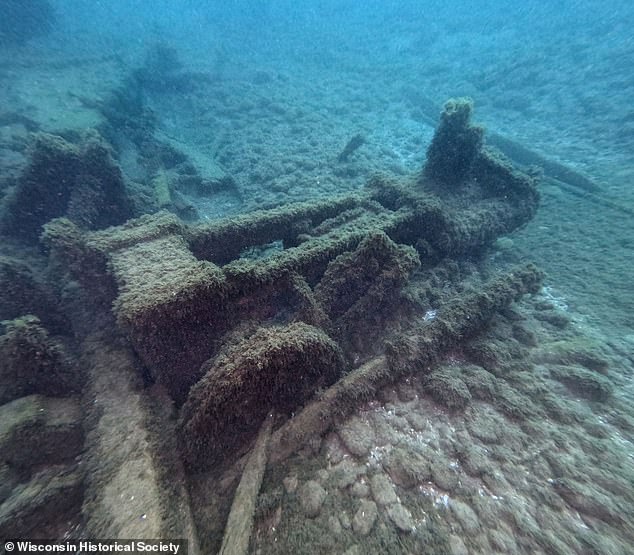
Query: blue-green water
x=214 y=109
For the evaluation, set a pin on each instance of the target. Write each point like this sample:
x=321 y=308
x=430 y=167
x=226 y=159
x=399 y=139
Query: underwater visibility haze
x=318 y=277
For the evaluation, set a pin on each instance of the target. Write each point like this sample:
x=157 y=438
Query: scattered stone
x=383 y=430
x=401 y=517
x=334 y=525
x=504 y=243
x=586 y=383
x=495 y=481
x=407 y=468
x=589 y=502
x=487 y=509
x=554 y=317
x=365 y=517
x=484 y=425
x=444 y=476
x=335 y=449
x=406 y=392
x=400 y=423
x=345 y=520
x=473 y=459
x=360 y=489
x=457 y=546
x=524 y=336
x=517 y=512
x=311 y=498
x=597 y=429
x=446 y=388
x=346 y=473
x=502 y=541
x=514 y=404
x=482 y=541
x=465 y=515
x=312 y=446
x=388 y=394
x=357 y=436
x=571 y=353
x=382 y=490
x=481 y=384
x=290 y=484
x=416 y=420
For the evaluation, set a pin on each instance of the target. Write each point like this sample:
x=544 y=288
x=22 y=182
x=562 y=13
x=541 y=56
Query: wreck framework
x=297 y=310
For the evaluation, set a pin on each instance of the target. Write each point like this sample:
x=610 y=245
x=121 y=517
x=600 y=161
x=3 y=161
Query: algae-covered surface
x=395 y=237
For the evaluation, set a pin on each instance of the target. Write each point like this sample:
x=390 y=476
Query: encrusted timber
x=417 y=350
x=174 y=323
x=223 y=241
x=181 y=288
x=278 y=369
x=509 y=200
x=134 y=482
x=171 y=304
x=418 y=217
x=62 y=178
x=407 y=216
x=23 y=291
x=308 y=260
x=86 y=255
x=240 y=522
x=31 y=361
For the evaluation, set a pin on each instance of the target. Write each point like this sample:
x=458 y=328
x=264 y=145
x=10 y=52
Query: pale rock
x=365 y=517
x=401 y=517
x=360 y=489
x=358 y=436
x=382 y=490
x=457 y=546
x=465 y=515
x=334 y=525
x=290 y=484
x=311 y=498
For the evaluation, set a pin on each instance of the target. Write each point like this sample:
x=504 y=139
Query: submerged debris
x=277 y=369
x=33 y=362
x=455 y=146
x=353 y=144
x=361 y=292
x=81 y=182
